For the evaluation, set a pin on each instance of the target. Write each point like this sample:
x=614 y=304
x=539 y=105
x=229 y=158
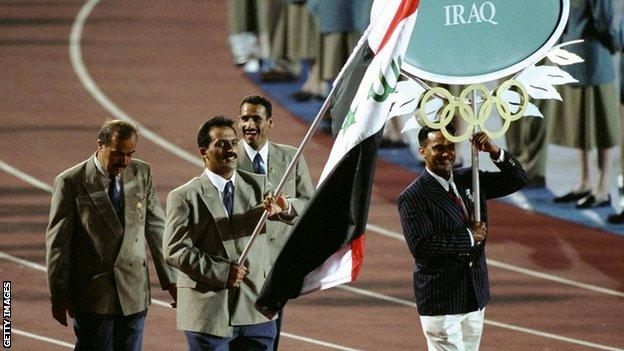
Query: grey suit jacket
x=202 y=242
x=298 y=188
x=92 y=260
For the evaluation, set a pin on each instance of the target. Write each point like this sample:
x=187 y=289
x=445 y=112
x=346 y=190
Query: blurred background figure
x=618 y=218
x=251 y=24
x=589 y=116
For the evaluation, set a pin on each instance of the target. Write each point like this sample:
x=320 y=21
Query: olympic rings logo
x=462 y=105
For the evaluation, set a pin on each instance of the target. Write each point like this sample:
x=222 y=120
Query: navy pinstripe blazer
x=451 y=275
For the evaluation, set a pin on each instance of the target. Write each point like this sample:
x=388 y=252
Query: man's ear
x=421 y=151
x=202 y=151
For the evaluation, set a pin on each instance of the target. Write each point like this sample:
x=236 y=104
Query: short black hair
x=203 y=136
x=423 y=134
x=258 y=100
x=123 y=129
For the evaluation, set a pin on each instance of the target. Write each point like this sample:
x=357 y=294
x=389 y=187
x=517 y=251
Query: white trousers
x=454 y=332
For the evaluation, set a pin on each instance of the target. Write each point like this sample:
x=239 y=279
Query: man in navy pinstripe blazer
x=451 y=280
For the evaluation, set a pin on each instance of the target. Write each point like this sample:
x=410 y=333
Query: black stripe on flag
x=335 y=216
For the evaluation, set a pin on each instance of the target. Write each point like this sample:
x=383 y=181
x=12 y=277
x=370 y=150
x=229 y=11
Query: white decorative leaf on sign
x=406 y=98
x=563 y=57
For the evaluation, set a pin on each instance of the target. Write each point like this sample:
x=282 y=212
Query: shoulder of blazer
x=283 y=148
x=416 y=186
x=139 y=165
x=192 y=186
x=77 y=172
x=254 y=180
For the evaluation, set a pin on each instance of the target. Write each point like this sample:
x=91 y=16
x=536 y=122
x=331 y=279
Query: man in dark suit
x=259 y=155
x=103 y=212
x=209 y=221
x=451 y=280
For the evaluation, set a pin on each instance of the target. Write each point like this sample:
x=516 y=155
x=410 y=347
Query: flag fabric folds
x=326 y=246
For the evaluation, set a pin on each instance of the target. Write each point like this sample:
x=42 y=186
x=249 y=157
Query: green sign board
x=465 y=42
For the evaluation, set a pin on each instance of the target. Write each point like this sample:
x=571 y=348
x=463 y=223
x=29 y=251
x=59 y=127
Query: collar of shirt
x=264 y=152
x=104 y=175
x=445 y=183
x=218 y=181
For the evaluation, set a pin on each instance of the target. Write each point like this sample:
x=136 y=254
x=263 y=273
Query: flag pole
x=476 y=190
x=291 y=166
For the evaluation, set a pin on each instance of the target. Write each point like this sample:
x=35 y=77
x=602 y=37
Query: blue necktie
x=257 y=164
x=228 y=197
x=115 y=196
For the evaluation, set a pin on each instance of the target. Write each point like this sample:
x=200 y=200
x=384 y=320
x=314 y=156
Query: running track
x=67 y=65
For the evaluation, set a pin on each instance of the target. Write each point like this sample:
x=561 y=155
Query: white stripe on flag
x=335 y=270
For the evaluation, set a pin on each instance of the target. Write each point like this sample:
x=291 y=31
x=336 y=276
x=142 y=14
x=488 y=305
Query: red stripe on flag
x=357 y=256
x=406 y=9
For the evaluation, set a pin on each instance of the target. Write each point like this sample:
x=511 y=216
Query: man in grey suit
x=259 y=155
x=209 y=221
x=103 y=212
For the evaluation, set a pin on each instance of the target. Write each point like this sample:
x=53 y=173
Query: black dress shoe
x=590 y=201
x=537 y=182
x=571 y=196
x=302 y=95
x=616 y=218
x=274 y=76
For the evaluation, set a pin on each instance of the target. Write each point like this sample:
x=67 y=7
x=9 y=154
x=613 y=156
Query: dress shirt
x=288 y=213
x=264 y=153
x=219 y=183
x=105 y=177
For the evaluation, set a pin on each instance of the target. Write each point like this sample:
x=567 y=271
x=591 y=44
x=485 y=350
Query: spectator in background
x=589 y=115
x=618 y=218
x=294 y=40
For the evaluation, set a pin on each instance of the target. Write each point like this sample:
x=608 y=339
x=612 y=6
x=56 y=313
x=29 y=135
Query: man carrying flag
x=327 y=244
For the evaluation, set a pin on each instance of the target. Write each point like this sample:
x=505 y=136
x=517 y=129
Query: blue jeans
x=255 y=337
x=106 y=332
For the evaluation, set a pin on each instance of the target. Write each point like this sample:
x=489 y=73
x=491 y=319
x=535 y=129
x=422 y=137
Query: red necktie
x=457 y=201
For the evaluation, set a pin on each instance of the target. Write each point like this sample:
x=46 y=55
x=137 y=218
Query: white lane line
x=85 y=78
x=166 y=304
x=373 y=295
x=498 y=264
x=75 y=54
x=42 y=338
x=391 y=234
x=25 y=177
x=486 y=321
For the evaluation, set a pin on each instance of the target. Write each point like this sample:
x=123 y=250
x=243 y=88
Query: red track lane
x=166 y=64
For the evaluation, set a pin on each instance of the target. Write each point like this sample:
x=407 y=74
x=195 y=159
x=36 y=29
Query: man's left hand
x=483 y=143
x=173 y=291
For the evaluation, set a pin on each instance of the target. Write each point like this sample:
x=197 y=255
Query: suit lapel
x=276 y=165
x=210 y=196
x=98 y=195
x=243 y=159
x=441 y=199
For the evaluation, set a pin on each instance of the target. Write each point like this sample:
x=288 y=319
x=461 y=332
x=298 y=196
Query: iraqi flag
x=326 y=246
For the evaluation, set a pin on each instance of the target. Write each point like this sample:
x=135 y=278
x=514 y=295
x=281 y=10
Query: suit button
x=272 y=239
x=470 y=264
